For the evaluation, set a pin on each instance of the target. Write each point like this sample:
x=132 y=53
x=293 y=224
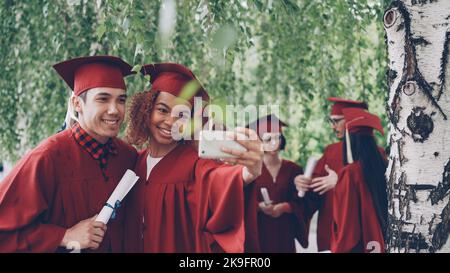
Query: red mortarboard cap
x=340 y=104
x=173 y=78
x=84 y=73
x=267 y=124
x=361 y=121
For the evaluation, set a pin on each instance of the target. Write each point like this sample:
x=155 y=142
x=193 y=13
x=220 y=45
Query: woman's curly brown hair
x=138 y=118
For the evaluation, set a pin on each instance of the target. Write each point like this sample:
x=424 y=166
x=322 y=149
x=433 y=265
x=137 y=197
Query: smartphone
x=211 y=142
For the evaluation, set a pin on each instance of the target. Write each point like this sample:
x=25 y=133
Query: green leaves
x=224 y=37
x=137 y=68
x=101 y=29
x=292 y=53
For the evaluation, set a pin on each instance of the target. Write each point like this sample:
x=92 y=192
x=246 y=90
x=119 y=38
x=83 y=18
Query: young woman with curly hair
x=183 y=203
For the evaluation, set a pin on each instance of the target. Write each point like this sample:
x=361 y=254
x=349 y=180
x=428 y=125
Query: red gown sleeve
x=312 y=201
x=319 y=170
x=251 y=219
x=24 y=198
x=221 y=205
x=301 y=209
x=134 y=211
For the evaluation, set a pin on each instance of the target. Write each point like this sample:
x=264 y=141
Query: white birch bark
x=418 y=33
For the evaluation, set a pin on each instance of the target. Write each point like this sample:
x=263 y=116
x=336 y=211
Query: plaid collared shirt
x=98 y=151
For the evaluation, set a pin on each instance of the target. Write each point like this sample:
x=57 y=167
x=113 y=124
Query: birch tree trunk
x=418 y=33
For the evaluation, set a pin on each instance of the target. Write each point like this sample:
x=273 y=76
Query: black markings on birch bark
x=442 y=230
x=422 y=187
x=389 y=18
x=440 y=191
x=420 y=124
x=413 y=241
x=411 y=71
x=394 y=111
x=401 y=195
x=422 y=2
x=393 y=235
x=401 y=156
x=396 y=236
x=419 y=41
x=392 y=75
x=391 y=189
x=431 y=224
x=409 y=88
x=444 y=61
x=410 y=228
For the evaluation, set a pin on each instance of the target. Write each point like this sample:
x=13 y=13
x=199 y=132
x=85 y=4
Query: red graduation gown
x=54 y=187
x=265 y=233
x=355 y=221
x=333 y=157
x=187 y=204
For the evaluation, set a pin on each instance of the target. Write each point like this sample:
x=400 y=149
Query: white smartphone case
x=211 y=142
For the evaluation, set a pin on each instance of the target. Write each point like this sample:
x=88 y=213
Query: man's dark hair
x=82 y=96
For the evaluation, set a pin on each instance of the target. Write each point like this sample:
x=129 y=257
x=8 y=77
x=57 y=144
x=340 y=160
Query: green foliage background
x=294 y=53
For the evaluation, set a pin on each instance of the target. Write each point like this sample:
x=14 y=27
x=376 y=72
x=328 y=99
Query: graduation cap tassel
x=70 y=118
x=349 y=147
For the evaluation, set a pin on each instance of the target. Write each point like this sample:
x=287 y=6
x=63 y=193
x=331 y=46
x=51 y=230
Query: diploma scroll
x=109 y=210
x=310 y=165
x=265 y=195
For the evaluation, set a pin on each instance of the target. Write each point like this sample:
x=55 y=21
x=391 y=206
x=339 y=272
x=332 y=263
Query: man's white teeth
x=112 y=122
